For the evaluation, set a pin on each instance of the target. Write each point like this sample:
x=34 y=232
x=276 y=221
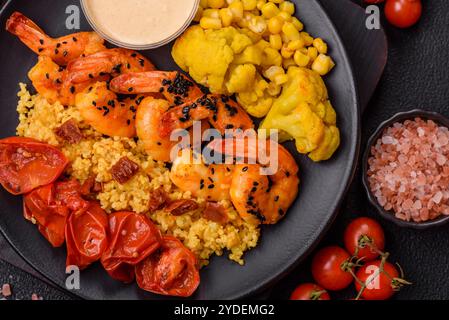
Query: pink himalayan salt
x=409 y=170
x=6 y=290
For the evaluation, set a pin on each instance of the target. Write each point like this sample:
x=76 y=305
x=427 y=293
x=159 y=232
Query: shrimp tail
x=27 y=31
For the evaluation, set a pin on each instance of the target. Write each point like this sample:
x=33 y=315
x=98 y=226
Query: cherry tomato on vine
x=309 y=291
x=362 y=237
x=380 y=284
x=330 y=268
x=403 y=13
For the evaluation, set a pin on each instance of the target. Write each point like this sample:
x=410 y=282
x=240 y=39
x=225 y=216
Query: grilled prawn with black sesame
x=61 y=50
x=261 y=192
x=111 y=62
x=189 y=103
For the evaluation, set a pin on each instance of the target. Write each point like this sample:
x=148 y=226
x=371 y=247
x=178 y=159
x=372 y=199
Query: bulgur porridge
x=96 y=154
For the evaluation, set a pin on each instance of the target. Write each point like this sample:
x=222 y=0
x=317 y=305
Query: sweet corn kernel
x=270 y=10
x=210 y=23
x=226 y=17
x=290 y=31
x=249 y=5
x=281 y=79
x=285 y=16
x=211 y=13
x=260 y=4
x=276 y=41
x=286 y=53
x=320 y=45
x=298 y=24
x=301 y=59
x=296 y=45
x=277 y=1
x=323 y=64
x=204 y=4
x=236 y=9
x=275 y=25
x=288 y=7
x=308 y=40
x=257 y=25
x=216 y=4
x=272 y=72
x=286 y=63
x=312 y=52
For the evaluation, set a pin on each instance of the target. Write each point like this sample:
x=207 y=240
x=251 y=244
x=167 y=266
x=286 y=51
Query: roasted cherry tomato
x=380 y=284
x=86 y=235
x=26 y=164
x=403 y=13
x=329 y=268
x=363 y=237
x=49 y=207
x=133 y=237
x=309 y=291
x=173 y=270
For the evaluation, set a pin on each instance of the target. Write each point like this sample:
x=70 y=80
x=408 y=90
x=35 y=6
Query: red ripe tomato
x=26 y=164
x=328 y=268
x=309 y=291
x=403 y=13
x=379 y=284
x=133 y=237
x=50 y=206
x=361 y=231
x=172 y=271
x=86 y=236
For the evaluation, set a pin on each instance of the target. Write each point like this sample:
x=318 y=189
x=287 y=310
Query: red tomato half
x=86 y=236
x=26 y=164
x=50 y=207
x=171 y=271
x=133 y=237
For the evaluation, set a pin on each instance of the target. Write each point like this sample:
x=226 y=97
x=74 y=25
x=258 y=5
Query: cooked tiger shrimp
x=260 y=198
x=211 y=182
x=101 y=109
x=175 y=86
x=108 y=62
x=222 y=112
x=49 y=80
x=61 y=50
x=190 y=103
x=148 y=117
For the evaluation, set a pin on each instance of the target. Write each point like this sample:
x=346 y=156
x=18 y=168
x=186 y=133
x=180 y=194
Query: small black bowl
x=400 y=117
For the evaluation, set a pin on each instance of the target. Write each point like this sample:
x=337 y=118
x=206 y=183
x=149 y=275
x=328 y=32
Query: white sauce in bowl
x=140 y=22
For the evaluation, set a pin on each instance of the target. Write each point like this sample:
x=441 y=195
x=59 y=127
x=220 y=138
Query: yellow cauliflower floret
x=303 y=113
x=241 y=78
x=204 y=56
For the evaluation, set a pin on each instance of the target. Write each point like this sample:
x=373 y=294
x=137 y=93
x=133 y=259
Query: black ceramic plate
x=281 y=246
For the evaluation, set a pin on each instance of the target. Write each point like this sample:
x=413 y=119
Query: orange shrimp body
x=112 y=61
x=61 y=50
x=101 y=109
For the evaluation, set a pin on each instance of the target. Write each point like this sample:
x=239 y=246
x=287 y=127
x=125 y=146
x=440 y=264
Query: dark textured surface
x=416 y=76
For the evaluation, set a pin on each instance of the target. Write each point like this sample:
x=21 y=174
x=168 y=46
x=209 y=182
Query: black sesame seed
x=245 y=169
x=130 y=89
x=47 y=76
x=74 y=39
x=65 y=53
x=211 y=186
x=41 y=41
x=72 y=89
x=40 y=49
x=276 y=199
x=134 y=55
x=128 y=122
x=58 y=45
x=56 y=51
x=91 y=75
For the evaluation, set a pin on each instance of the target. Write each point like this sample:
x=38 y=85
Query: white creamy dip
x=139 y=22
